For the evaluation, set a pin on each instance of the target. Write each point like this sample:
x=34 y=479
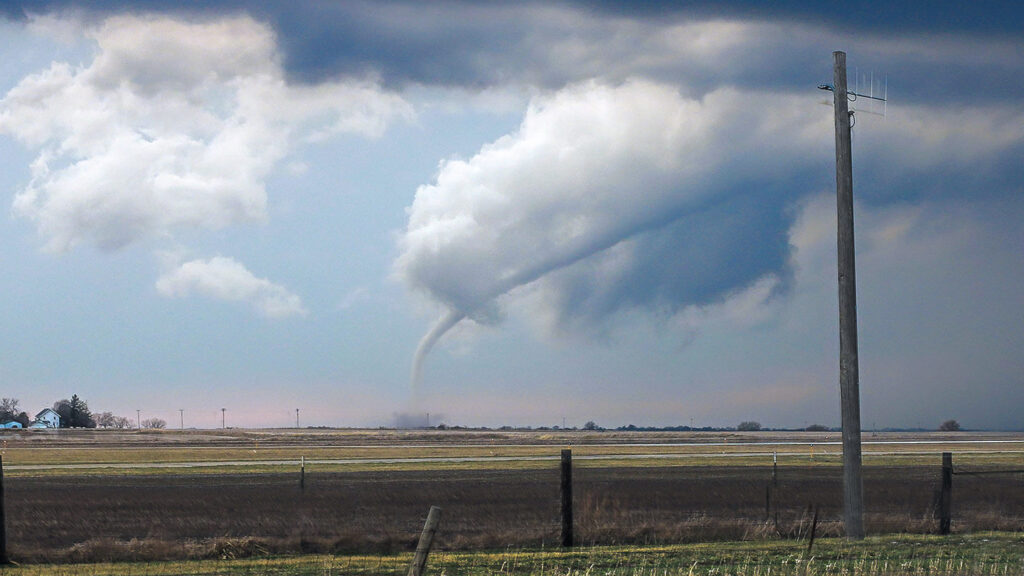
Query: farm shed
x=13 y=424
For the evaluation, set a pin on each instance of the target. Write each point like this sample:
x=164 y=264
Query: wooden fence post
x=419 y=560
x=4 y=559
x=945 y=498
x=567 y=539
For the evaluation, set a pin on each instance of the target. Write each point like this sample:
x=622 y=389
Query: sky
x=530 y=214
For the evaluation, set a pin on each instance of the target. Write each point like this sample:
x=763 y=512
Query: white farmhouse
x=46 y=419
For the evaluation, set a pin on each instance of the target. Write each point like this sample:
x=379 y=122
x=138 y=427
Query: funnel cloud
x=595 y=176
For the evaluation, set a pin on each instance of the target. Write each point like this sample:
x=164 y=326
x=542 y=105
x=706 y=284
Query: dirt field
x=178 y=515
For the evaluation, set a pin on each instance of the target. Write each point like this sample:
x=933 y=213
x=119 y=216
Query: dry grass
x=984 y=554
x=197 y=516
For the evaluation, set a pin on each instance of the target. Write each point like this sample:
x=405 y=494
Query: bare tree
x=109 y=420
x=9 y=406
x=950 y=426
x=154 y=423
x=749 y=426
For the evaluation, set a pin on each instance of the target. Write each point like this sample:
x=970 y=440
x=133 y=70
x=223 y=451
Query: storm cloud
x=636 y=192
x=700 y=45
x=613 y=198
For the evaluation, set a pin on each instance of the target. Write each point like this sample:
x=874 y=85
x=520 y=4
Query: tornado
x=443 y=325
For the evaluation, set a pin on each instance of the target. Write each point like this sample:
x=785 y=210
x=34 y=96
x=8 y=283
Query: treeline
x=75 y=413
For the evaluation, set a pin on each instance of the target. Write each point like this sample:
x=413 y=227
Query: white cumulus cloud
x=173 y=124
x=226 y=279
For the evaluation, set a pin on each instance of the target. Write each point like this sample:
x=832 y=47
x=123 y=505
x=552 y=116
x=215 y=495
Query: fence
x=330 y=511
x=945 y=497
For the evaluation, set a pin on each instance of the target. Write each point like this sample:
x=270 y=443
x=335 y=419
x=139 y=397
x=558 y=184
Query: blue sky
x=507 y=214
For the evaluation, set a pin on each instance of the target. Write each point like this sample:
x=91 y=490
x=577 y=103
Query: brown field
x=173 y=514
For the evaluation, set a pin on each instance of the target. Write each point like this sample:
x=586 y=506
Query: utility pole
x=138 y=418
x=4 y=558
x=222 y=410
x=181 y=412
x=296 y=417
x=849 y=380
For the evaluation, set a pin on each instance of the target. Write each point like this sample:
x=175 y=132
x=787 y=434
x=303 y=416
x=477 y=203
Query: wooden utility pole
x=849 y=386
x=4 y=559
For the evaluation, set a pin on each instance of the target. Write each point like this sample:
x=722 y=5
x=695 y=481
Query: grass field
x=368 y=491
x=983 y=554
x=82 y=452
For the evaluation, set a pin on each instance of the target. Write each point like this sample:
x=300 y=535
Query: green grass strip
x=981 y=554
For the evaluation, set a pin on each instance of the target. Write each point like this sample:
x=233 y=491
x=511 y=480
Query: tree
x=591 y=425
x=817 y=428
x=104 y=419
x=74 y=413
x=10 y=411
x=23 y=419
x=950 y=426
x=8 y=408
x=749 y=426
x=154 y=423
x=109 y=420
x=63 y=409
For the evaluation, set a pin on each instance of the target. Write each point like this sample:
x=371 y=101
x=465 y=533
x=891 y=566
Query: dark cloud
x=550 y=44
x=681 y=264
x=1000 y=17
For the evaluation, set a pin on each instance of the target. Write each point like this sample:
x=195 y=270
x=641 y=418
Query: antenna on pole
x=865 y=100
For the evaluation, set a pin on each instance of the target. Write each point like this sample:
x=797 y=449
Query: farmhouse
x=46 y=419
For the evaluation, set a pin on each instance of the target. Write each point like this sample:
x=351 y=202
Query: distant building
x=46 y=419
